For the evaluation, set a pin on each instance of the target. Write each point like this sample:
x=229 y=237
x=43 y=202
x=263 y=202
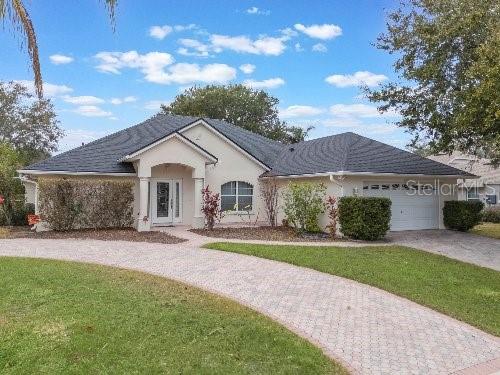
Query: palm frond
x=111 y=7
x=16 y=12
x=22 y=22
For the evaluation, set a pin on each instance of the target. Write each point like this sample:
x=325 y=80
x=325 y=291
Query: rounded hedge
x=462 y=215
x=364 y=218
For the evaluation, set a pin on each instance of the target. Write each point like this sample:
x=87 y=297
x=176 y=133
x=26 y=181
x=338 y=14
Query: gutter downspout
x=23 y=179
x=332 y=179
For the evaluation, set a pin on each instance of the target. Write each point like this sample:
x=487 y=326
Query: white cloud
x=50 y=90
x=255 y=10
x=126 y=99
x=83 y=100
x=157 y=68
x=288 y=33
x=294 y=111
x=58 y=59
x=160 y=32
x=154 y=105
x=179 y=28
x=75 y=137
x=193 y=47
x=150 y=63
x=358 y=110
x=270 y=83
x=186 y=73
x=356 y=79
x=298 y=47
x=264 y=45
x=92 y=111
x=319 y=47
x=247 y=68
x=323 y=32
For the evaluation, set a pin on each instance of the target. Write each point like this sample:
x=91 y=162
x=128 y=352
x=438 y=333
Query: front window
x=472 y=194
x=236 y=196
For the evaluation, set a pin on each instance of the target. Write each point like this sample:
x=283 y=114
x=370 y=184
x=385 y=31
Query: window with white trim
x=236 y=196
x=472 y=194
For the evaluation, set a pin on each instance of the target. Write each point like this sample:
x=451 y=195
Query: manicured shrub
x=491 y=215
x=20 y=214
x=67 y=204
x=364 y=218
x=17 y=215
x=302 y=205
x=462 y=215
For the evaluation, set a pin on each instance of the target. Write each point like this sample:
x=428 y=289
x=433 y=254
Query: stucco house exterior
x=171 y=158
x=486 y=188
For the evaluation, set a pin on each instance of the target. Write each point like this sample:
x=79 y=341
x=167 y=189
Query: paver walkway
x=467 y=247
x=367 y=329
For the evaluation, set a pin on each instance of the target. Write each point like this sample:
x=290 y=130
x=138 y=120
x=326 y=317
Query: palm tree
x=15 y=12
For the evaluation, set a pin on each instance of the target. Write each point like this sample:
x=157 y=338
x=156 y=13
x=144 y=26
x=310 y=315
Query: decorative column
x=143 y=221
x=198 y=218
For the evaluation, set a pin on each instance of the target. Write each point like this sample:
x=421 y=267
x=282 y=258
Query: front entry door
x=165 y=201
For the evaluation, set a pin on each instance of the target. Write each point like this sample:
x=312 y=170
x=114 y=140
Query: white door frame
x=175 y=216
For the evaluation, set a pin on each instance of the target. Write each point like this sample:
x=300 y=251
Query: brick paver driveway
x=467 y=247
x=369 y=330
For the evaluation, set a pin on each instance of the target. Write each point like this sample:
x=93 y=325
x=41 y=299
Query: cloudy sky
x=312 y=55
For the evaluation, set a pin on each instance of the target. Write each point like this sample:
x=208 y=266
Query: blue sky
x=312 y=55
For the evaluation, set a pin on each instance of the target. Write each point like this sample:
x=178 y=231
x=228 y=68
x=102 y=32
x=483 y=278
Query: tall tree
x=16 y=13
x=448 y=62
x=27 y=124
x=254 y=110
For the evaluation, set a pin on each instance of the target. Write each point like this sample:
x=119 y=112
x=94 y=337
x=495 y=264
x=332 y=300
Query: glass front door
x=163 y=199
x=166 y=202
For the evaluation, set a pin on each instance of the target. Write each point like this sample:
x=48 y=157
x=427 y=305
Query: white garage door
x=413 y=207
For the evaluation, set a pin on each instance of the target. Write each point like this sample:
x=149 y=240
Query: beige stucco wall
x=172 y=151
x=331 y=189
x=232 y=165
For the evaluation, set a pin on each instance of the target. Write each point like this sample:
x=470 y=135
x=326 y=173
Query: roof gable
x=106 y=154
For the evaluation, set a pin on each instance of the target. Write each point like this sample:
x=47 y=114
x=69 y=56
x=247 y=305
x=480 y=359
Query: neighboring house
x=486 y=188
x=171 y=158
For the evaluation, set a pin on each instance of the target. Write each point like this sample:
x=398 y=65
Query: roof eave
x=367 y=174
x=74 y=173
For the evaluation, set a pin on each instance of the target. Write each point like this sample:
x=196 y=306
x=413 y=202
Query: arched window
x=236 y=196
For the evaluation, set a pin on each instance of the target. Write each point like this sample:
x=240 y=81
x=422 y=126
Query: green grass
x=461 y=290
x=487 y=229
x=61 y=317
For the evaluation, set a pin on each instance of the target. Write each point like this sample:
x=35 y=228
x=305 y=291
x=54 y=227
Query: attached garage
x=413 y=206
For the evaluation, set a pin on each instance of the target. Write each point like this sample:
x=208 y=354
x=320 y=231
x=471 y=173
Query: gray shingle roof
x=343 y=152
x=103 y=154
x=350 y=152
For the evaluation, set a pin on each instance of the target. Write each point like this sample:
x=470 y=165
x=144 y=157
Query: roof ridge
x=208 y=119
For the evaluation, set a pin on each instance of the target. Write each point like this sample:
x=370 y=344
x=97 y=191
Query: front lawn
x=61 y=317
x=461 y=290
x=487 y=229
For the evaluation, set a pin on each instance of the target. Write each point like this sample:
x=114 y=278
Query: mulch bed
x=262 y=233
x=113 y=234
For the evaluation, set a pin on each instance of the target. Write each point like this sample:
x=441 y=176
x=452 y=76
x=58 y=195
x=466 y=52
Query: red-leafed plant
x=211 y=207
x=333 y=215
